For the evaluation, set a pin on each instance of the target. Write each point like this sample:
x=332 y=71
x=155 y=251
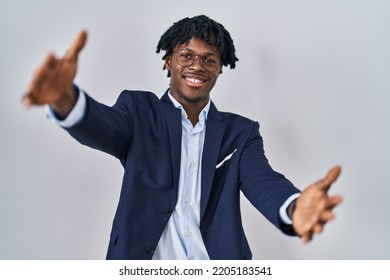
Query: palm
x=314 y=208
x=55 y=76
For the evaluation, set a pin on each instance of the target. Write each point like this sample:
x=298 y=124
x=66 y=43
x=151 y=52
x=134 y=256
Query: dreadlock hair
x=201 y=27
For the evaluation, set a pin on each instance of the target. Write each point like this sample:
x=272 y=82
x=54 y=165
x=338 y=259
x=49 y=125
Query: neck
x=193 y=113
x=192 y=108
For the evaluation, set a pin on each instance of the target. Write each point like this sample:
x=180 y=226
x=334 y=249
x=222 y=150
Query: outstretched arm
x=53 y=79
x=314 y=208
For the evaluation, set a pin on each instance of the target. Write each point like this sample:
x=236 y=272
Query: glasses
x=186 y=58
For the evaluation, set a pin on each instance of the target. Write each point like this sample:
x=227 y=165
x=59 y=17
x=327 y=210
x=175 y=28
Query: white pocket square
x=225 y=159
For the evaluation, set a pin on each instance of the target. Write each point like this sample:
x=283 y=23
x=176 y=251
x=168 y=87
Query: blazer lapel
x=174 y=127
x=215 y=129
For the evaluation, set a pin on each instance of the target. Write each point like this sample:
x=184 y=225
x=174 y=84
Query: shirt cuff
x=283 y=209
x=75 y=116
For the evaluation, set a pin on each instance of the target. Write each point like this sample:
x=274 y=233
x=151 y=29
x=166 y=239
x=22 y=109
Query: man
x=185 y=162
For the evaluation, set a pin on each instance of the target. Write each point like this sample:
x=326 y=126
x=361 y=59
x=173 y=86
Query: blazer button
x=149 y=250
x=167 y=212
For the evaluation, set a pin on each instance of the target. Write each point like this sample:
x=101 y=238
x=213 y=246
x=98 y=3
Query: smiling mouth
x=194 y=81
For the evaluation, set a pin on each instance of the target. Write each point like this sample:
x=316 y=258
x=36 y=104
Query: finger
x=35 y=85
x=334 y=201
x=27 y=101
x=327 y=216
x=306 y=238
x=38 y=73
x=50 y=61
x=31 y=95
x=330 y=177
x=76 y=46
x=42 y=71
x=318 y=228
x=332 y=174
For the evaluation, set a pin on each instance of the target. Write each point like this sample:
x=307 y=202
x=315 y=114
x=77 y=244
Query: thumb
x=76 y=46
x=331 y=177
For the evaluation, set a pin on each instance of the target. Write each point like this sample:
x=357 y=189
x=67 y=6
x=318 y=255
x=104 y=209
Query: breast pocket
x=225 y=160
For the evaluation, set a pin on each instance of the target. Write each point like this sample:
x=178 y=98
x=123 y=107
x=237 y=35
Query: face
x=191 y=85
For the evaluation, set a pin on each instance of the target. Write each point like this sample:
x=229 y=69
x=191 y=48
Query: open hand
x=52 y=81
x=314 y=208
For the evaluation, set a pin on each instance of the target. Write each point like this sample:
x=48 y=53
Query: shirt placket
x=191 y=192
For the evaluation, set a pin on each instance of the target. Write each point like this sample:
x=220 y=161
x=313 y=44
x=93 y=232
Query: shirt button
x=167 y=212
x=188 y=200
x=192 y=165
x=188 y=233
x=149 y=250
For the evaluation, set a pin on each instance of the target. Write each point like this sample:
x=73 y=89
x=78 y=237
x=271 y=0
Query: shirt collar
x=202 y=115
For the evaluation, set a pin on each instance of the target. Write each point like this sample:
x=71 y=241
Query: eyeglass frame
x=202 y=59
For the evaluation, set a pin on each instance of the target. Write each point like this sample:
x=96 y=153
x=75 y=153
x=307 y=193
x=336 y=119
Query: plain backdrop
x=315 y=74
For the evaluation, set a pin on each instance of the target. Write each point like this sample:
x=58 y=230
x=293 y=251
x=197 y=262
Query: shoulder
x=235 y=118
x=137 y=95
x=229 y=117
x=236 y=124
x=128 y=99
x=236 y=121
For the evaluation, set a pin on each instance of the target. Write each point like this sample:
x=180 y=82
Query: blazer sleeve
x=265 y=188
x=108 y=129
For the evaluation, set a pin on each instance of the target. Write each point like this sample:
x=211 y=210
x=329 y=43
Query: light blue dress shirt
x=181 y=238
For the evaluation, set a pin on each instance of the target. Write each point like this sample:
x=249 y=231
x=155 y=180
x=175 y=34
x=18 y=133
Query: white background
x=315 y=74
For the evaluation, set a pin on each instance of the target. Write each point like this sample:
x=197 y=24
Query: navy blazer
x=144 y=133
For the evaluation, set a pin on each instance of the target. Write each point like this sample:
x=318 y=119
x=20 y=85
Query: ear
x=168 y=63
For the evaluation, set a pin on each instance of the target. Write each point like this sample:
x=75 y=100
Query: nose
x=197 y=63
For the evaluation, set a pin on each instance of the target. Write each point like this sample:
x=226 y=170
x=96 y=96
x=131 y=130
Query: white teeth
x=193 y=80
